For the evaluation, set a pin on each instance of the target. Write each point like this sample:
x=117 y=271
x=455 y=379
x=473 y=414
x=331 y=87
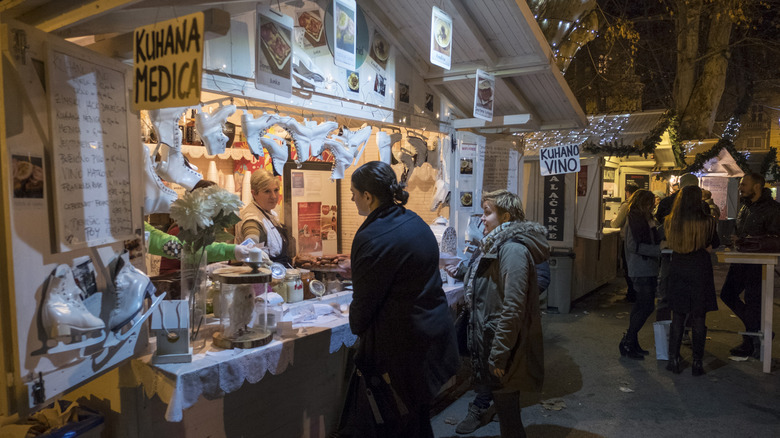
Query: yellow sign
x=168 y=63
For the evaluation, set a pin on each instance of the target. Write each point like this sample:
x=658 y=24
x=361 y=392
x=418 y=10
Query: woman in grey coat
x=505 y=330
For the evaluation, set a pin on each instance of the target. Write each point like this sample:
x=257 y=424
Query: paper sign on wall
x=483 y=95
x=273 y=52
x=556 y=160
x=168 y=63
x=344 y=14
x=441 y=38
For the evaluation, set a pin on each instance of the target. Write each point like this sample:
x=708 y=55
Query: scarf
x=488 y=245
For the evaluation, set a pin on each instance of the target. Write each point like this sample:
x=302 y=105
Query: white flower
x=192 y=212
x=224 y=201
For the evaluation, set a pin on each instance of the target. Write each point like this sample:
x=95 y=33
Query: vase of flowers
x=202 y=215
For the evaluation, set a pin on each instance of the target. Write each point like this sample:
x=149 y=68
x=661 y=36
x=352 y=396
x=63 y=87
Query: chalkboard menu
x=89 y=149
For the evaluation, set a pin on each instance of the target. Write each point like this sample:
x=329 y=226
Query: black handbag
x=758 y=244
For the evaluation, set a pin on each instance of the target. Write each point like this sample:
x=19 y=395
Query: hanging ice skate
x=173 y=166
x=157 y=196
x=277 y=147
x=385 y=142
x=309 y=136
x=210 y=127
x=342 y=158
x=255 y=129
x=356 y=141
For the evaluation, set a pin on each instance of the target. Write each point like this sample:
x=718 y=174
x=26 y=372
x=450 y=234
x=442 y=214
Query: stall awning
x=498 y=36
x=615 y=129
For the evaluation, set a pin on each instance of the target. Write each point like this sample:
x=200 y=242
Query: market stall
x=100 y=135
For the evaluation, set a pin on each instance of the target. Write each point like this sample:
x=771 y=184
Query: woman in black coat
x=691 y=233
x=399 y=310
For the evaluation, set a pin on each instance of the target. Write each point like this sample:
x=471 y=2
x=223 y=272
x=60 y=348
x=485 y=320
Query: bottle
x=191 y=135
x=294 y=286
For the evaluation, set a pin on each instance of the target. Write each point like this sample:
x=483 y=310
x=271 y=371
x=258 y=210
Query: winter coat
x=759 y=218
x=643 y=259
x=399 y=310
x=505 y=329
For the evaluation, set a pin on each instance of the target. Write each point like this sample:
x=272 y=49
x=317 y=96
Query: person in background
x=169 y=247
x=504 y=331
x=618 y=222
x=714 y=209
x=759 y=215
x=659 y=195
x=664 y=208
x=260 y=222
x=399 y=311
x=690 y=234
x=643 y=253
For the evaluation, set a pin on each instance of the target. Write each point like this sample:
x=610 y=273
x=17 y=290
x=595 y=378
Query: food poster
x=403 y=94
x=314 y=209
x=441 y=38
x=308 y=231
x=466 y=184
x=312 y=27
x=329 y=223
x=273 y=52
x=379 y=53
x=353 y=82
x=380 y=84
x=484 y=91
x=28 y=176
x=344 y=19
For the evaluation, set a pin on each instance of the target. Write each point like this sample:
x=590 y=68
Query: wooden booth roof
x=501 y=37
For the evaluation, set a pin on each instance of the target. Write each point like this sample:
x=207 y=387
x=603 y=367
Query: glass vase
x=193 y=289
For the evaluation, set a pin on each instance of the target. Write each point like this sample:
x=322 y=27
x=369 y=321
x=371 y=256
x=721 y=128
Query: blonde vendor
x=260 y=222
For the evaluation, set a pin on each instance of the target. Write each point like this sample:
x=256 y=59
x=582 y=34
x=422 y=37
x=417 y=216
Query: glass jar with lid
x=294 y=286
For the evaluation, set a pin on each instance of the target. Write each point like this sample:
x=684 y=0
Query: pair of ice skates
x=64 y=312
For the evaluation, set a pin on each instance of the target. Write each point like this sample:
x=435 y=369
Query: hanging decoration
x=616 y=148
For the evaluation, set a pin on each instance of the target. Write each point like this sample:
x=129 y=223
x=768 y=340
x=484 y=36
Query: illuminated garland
x=769 y=168
x=667 y=122
x=726 y=141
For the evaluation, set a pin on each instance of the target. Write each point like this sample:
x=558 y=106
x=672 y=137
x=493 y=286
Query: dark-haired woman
x=399 y=310
x=643 y=257
x=691 y=233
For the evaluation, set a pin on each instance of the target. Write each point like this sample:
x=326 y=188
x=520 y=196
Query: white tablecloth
x=216 y=372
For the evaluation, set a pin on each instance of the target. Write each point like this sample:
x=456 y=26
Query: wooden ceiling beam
x=394 y=35
x=52 y=16
x=465 y=15
x=216 y=23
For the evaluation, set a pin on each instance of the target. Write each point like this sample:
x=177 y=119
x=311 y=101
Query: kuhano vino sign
x=168 y=63
x=556 y=160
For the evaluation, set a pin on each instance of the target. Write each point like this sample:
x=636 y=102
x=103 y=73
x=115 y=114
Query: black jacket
x=398 y=308
x=759 y=218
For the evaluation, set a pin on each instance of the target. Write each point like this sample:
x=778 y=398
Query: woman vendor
x=260 y=222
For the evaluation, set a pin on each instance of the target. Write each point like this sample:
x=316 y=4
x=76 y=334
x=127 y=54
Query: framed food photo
x=311 y=208
x=313 y=26
x=273 y=52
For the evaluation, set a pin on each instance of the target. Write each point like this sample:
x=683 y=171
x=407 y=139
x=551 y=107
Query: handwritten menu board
x=90 y=155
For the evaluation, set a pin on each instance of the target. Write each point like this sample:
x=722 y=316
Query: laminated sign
x=559 y=159
x=273 y=52
x=168 y=63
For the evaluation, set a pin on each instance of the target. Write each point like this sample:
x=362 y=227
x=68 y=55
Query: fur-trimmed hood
x=531 y=234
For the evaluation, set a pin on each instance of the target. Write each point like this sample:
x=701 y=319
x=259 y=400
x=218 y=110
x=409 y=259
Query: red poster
x=309 y=223
x=582 y=181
